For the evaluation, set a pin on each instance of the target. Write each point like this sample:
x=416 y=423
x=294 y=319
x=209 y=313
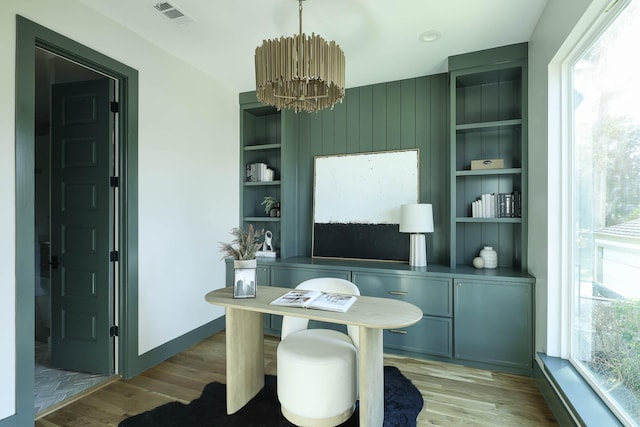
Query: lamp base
x=418 y=250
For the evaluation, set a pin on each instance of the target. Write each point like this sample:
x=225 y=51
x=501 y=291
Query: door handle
x=54 y=263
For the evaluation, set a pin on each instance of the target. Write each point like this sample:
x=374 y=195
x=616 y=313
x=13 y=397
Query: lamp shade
x=416 y=218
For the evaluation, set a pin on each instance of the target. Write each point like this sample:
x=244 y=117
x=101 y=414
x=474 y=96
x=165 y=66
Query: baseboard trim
x=10 y=421
x=173 y=347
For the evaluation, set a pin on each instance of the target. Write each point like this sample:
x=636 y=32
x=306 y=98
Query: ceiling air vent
x=172 y=12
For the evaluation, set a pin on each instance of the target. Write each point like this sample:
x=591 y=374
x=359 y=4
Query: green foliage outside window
x=616 y=350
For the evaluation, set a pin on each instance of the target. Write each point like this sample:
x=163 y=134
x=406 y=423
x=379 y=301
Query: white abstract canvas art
x=356 y=206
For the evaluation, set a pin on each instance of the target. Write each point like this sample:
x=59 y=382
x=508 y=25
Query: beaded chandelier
x=302 y=73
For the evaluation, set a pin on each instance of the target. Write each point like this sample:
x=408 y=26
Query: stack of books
x=497 y=205
x=258 y=172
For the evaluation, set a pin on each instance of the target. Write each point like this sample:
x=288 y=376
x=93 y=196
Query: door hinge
x=113 y=331
x=114 y=256
x=115 y=107
x=114 y=181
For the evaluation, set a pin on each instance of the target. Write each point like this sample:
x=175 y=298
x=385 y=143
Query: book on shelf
x=258 y=172
x=497 y=205
x=517 y=204
x=316 y=299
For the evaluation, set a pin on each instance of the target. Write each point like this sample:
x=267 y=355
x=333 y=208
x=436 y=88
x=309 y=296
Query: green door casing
x=81 y=226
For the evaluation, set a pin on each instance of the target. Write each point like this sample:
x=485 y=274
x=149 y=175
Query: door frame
x=30 y=35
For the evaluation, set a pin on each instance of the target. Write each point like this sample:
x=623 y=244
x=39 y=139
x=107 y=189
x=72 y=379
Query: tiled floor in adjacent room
x=53 y=386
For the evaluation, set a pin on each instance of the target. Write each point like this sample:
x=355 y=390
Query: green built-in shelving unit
x=488 y=108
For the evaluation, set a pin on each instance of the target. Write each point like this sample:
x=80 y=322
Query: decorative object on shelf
x=267 y=251
x=267 y=245
x=271 y=206
x=243 y=250
x=490 y=257
x=478 y=262
x=270 y=175
x=487 y=164
x=416 y=219
x=302 y=73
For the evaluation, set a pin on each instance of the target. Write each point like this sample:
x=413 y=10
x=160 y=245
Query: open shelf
x=484 y=172
x=468 y=127
x=488 y=114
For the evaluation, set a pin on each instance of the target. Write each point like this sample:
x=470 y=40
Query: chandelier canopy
x=302 y=73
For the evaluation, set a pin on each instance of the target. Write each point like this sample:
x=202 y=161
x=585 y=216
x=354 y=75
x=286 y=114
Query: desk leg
x=245 y=357
x=371 y=375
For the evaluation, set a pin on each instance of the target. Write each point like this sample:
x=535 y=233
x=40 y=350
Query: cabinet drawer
x=290 y=277
x=432 y=294
x=432 y=335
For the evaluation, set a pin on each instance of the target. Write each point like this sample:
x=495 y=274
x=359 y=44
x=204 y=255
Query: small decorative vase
x=244 y=283
x=490 y=257
x=275 y=211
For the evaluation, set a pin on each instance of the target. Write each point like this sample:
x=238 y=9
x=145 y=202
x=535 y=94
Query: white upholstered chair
x=318 y=368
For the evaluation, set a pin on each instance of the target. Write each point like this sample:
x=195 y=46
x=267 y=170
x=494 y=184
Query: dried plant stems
x=245 y=244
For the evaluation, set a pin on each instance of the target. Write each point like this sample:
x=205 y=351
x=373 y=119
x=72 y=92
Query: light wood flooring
x=453 y=395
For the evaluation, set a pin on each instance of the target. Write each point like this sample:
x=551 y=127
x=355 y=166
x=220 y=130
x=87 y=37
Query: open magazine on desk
x=316 y=299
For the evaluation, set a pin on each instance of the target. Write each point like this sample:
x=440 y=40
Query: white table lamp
x=417 y=218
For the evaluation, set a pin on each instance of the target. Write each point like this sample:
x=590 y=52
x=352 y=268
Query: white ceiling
x=379 y=38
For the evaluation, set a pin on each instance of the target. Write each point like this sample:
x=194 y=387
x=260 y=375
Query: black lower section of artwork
x=360 y=241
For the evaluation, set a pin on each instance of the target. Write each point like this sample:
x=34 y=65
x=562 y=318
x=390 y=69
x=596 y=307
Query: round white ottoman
x=317 y=377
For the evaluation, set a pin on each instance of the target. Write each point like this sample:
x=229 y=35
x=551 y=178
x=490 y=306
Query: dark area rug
x=402 y=403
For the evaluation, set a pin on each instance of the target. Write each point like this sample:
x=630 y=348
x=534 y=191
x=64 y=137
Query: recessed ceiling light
x=429 y=36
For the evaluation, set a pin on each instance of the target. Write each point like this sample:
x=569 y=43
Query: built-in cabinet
x=263 y=278
x=264 y=133
x=489 y=123
x=262 y=141
x=493 y=322
x=433 y=334
x=469 y=317
x=477 y=317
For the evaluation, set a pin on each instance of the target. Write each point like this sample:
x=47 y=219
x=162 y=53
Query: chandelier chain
x=300 y=16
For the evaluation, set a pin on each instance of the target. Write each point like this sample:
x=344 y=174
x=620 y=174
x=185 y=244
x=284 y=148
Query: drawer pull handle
x=398 y=331
x=398 y=293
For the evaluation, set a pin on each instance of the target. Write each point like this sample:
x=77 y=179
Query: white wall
x=188 y=167
x=188 y=197
x=559 y=19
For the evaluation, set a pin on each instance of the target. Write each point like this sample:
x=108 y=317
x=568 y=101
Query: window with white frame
x=605 y=176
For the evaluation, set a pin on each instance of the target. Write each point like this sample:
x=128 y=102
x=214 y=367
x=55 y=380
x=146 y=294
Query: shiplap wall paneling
x=404 y=114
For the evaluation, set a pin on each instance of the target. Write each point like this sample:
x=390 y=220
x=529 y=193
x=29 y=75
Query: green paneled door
x=81 y=231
